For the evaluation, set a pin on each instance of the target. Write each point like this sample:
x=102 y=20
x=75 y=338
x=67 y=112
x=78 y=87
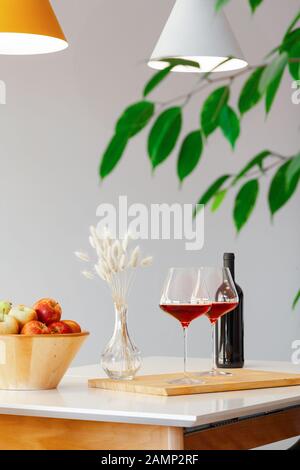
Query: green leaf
x=272 y=72
x=210 y=115
x=219 y=198
x=280 y=192
x=293 y=170
x=220 y=4
x=230 y=125
x=113 y=154
x=296 y=300
x=273 y=87
x=250 y=94
x=164 y=135
x=156 y=79
x=292 y=38
x=293 y=23
x=175 y=61
x=294 y=67
x=135 y=118
x=245 y=203
x=256 y=161
x=254 y=4
x=212 y=190
x=190 y=154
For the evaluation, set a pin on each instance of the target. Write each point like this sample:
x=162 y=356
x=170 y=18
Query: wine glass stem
x=213 y=331
x=184 y=351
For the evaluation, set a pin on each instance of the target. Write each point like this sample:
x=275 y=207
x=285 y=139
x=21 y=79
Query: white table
x=74 y=416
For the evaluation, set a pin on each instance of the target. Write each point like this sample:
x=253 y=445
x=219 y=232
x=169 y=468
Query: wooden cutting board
x=242 y=379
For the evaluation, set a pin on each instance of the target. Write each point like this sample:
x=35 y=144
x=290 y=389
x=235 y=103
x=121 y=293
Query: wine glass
x=224 y=298
x=185 y=297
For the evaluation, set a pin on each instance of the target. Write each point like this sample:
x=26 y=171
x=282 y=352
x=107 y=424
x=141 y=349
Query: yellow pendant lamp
x=29 y=27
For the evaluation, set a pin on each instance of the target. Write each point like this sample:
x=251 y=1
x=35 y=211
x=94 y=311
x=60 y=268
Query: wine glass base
x=186 y=381
x=214 y=373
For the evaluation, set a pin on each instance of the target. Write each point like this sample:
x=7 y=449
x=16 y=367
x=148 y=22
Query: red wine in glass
x=186 y=313
x=218 y=309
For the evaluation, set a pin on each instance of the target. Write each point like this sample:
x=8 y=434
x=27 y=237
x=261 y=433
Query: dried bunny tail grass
x=104 y=274
x=147 y=262
x=93 y=232
x=134 y=258
x=114 y=265
x=94 y=240
x=82 y=256
x=122 y=262
x=111 y=263
x=116 y=250
x=125 y=242
x=92 y=243
x=88 y=275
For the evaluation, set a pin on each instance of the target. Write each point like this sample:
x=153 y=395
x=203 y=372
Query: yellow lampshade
x=29 y=27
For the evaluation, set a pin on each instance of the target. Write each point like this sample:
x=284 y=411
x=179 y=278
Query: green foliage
x=294 y=67
x=135 y=118
x=220 y=4
x=271 y=78
x=230 y=124
x=213 y=190
x=254 y=4
x=280 y=192
x=190 y=154
x=296 y=300
x=212 y=108
x=273 y=88
x=218 y=199
x=293 y=23
x=112 y=154
x=162 y=74
x=156 y=79
x=290 y=39
x=258 y=161
x=250 y=94
x=216 y=112
x=164 y=135
x=293 y=171
x=131 y=122
x=245 y=203
x=272 y=71
x=174 y=61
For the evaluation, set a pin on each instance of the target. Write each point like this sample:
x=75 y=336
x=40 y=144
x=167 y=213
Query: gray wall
x=59 y=115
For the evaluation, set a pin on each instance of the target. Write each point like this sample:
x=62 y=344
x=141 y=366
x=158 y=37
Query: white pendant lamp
x=29 y=27
x=196 y=32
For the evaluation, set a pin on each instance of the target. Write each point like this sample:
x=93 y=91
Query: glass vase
x=121 y=359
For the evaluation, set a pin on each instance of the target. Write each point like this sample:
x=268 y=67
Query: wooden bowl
x=36 y=362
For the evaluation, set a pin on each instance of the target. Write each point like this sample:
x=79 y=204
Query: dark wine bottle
x=230 y=329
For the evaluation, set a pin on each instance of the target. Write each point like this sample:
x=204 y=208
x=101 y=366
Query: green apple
x=9 y=326
x=23 y=314
x=5 y=307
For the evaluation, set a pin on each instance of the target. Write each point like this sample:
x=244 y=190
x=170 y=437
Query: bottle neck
x=229 y=263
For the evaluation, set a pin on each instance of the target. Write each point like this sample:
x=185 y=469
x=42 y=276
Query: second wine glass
x=224 y=298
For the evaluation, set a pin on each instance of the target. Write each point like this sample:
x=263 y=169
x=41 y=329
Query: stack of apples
x=44 y=318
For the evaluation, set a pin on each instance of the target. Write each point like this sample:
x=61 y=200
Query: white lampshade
x=195 y=31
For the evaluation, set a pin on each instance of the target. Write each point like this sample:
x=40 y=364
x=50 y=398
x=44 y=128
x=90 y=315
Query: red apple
x=59 y=328
x=75 y=327
x=35 y=328
x=48 y=311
